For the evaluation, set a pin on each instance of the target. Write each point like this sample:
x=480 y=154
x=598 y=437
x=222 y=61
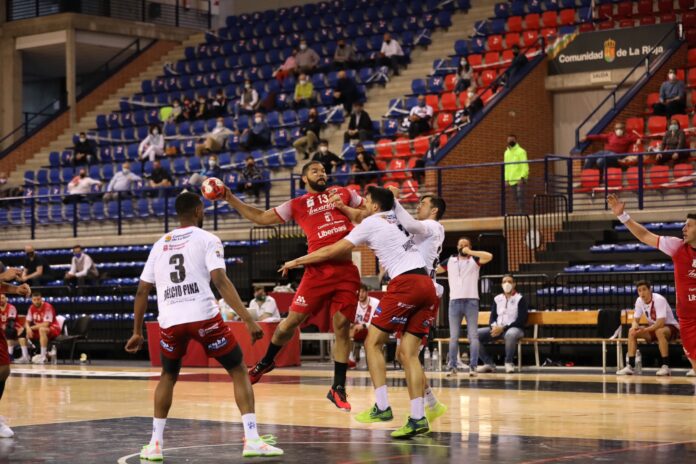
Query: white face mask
x=323 y=149
x=507 y=287
x=258 y=120
x=671 y=76
x=83 y=140
x=219 y=124
x=247 y=86
x=619 y=132
x=126 y=171
x=155 y=132
x=212 y=163
x=303 y=47
x=471 y=96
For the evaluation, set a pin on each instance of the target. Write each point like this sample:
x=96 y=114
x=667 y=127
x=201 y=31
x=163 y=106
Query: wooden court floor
x=102 y=414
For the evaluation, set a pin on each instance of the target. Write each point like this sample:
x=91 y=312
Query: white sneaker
x=486 y=368
x=23 y=360
x=663 y=371
x=38 y=359
x=152 y=452
x=261 y=446
x=5 y=431
x=509 y=368
x=691 y=373
x=628 y=370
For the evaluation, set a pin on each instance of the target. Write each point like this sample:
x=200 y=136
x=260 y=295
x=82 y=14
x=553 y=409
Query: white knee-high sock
x=158 y=431
x=250 y=430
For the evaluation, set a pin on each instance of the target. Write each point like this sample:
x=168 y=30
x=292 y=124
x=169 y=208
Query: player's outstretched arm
x=139 y=307
x=355 y=215
x=412 y=225
x=333 y=251
x=231 y=297
x=638 y=231
x=255 y=215
x=11 y=273
x=23 y=289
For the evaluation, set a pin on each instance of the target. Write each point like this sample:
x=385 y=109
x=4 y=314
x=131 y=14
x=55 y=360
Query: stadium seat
x=384 y=149
x=657 y=124
x=395 y=165
x=402 y=146
x=658 y=175
x=514 y=24
x=589 y=180
x=635 y=124
x=444 y=120
x=567 y=17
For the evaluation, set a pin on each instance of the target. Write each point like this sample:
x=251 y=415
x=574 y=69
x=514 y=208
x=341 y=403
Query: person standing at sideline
x=516 y=169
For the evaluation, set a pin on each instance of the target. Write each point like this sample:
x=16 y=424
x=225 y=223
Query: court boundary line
x=605 y=452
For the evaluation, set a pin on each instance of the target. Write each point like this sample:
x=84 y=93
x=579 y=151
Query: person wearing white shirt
x=82 y=268
x=122 y=182
x=662 y=327
x=79 y=186
x=358 y=328
x=152 y=146
x=420 y=117
x=508 y=318
x=215 y=139
x=391 y=54
x=263 y=306
x=463 y=275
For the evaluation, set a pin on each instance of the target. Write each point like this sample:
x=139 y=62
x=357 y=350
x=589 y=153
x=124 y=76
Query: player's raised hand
x=395 y=191
x=24 y=290
x=134 y=344
x=255 y=331
x=337 y=201
x=617 y=206
x=11 y=273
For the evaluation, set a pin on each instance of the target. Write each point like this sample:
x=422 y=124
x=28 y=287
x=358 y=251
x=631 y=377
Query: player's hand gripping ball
x=213 y=189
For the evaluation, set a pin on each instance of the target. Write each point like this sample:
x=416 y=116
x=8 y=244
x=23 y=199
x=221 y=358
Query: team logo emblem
x=300 y=300
x=310 y=202
x=165 y=247
x=609 y=50
x=693 y=263
x=168 y=238
x=327 y=217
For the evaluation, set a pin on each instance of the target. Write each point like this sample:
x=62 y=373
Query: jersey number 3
x=179 y=274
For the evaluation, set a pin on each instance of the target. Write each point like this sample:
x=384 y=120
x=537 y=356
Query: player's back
x=430 y=246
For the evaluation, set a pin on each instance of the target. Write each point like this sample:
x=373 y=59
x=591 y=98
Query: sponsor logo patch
x=300 y=300
x=166 y=346
x=398 y=320
x=217 y=344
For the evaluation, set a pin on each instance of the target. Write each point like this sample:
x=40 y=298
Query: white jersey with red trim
x=658 y=308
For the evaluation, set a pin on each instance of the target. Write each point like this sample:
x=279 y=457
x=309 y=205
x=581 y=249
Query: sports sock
x=417 y=408
x=2 y=388
x=271 y=353
x=340 y=370
x=665 y=361
x=158 y=431
x=381 y=398
x=632 y=361
x=25 y=352
x=250 y=430
x=430 y=399
x=44 y=350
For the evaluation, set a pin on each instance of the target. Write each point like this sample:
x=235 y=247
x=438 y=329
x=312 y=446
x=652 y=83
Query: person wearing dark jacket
x=674 y=139
x=346 y=92
x=508 y=318
x=85 y=150
x=309 y=135
x=359 y=125
x=326 y=158
x=364 y=163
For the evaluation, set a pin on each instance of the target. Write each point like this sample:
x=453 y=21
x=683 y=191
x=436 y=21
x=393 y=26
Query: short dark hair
x=77 y=246
x=643 y=283
x=35 y=293
x=438 y=203
x=467 y=238
x=259 y=287
x=691 y=216
x=306 y=167
x=512 y=135
x=383 y=197
x=249 y=157
x=364 y=287
x=510 y=276
x=186 y=203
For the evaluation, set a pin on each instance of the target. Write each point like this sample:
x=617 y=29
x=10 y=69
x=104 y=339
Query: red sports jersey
x=45 y=313
x=321 y=222
x=8 y=312
x=684 y=259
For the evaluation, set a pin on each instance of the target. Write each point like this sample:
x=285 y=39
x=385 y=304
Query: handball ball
x=213 y=189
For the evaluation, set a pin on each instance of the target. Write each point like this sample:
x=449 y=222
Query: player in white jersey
x=408 y=306
x=181 y=265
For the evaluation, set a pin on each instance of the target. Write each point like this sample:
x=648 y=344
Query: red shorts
x=673 y=334
x=53 y=333
x=213 y=334
x=335 y=282
x=360 y=335
x=408 y=306
x=4 y=352
x=687 y=328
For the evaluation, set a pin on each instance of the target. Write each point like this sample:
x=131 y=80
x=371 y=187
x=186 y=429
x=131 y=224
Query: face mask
x=78 y=255
x=83 y=140
x=258 y=120
x=619 y=132
x=303 y=47
x=674 y=128
x=341 y=45
x=261 y=298
x=3 y=180
x=671 y=76
x=83 y=175
x=507 y=287
x=219 y=125
x=31 y=254
x=515 y=52
x=247 y=86
x=155 y=132
x=388 y=41
x=323 y=149
x=126 y=171
x=212 y=163
x=512 y=144
x=421 y=104
x=312 y=116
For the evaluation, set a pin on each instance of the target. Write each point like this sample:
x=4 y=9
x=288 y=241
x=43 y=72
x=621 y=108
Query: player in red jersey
x=683 y=254
x=334 y=282
x=8 y=274
x=41 y=325
x=9 y=325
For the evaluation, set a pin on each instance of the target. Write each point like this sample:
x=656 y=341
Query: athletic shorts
x=335 y=282
x=408 y=306
x=360 y=335
x=213 y=334
x=673 y=334
x=53 y=333
x=687 y=328
x=4 y=351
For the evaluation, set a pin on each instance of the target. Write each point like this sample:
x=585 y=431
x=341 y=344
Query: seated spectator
x=82 y=269
x=364 y=162
x=263 y=307
x=214 y=140
x=6 y=190
x=473 y=107
x=177 y=115
x=249 y=101
x=465 y=75
x=328 y=159
x=420 y=118
x=346 y=92
x=258 y=136
x=508 y=318
x=159 y=178
x=121 y=183
x=391 y=54
x=519 y=61
x=674 y=139
x=202 y=111
x=662 y=328
x=307 y=59
x=218 y=107
x=152 y=146
x=36 y=270
x=672 y=97
x=358 y=328
x=344 y=56
x=287 y=68
x=40 y=326
x=309 y=135
x=359 y=125
x=85 y=151
x=304 y=92
x=213 y=169
x=79 y=186
x=252 y=179
x=617 y=142
x=188 y=110
x=9 y=322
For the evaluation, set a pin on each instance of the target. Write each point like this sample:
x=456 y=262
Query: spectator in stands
x=508 y=318
x=304 y=92
x=36 y=270
x=41 y=326
x=662 y=328
x=307 y=59
x=82 y=269
x=359 y=125
x=159 y=178
x=218 y=107
x=344 y=56
x=212 y=169
x=346 y=92
x=85 y=151
x=420 y=118
x=258 y=136
x=9 y=322
x=309 y=135
x=79 y=186
x=263 y=307
x=328 y=159
x=287 y=68
x=177 y=115
x=188 y=110
x=473 y=107
x=358 y=328
x=364 y=162
x=252 y=179
x=249 y=101
x=391 y=54
x=674 y=139
x=519 y=61
x=8 y=191
x=464 y=76
x=617 y=142
x=202 y=110
x=152 y=146
x=121 y=183
x=463 y=275
x=516 y=170
x=672 y=97
x=214 y=140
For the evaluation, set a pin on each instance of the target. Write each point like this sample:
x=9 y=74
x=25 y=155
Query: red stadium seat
x=549 y=33
x=433 y=101
x=683 y=170
x=391 y=183
x=450 y=82
x=587 y=27
x=403 y=147
x=614 y=178
x=632 y=178
x=658 y=175
x=475 y=60
x=531 y=21
x=668 y=18
x=635 y=124
x=691 y=77
x=647 y=20
x=487 y=95
x=487 y=77
x=657 y=124
x=354 y=187
x=689 y=19
x=495 y=43
x=691 y=37
x=624 y=10
x=645 y=7
x=511 y=39
x=421 y=145
x=691 y=58
x=549 y=19
x=651 y=100
x=567 y=17
x=589 y=180
x=627 y=22
x=444 y=120
x=665 y=6
x=683 y=120
x=606 y=25
x=530 y=37
x=449 y=102
x=506 y=58
x=681 y=74
x=381 y=165
x=395 y=165
x=443 y=140
x=409 y=191
x=492 y=60
x=384 y=149
x=685 y=5
x=514 y=24
x=605 y=11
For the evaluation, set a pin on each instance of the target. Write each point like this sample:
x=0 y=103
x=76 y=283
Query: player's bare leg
x=692 y=372
x=43 y=342
x=163 y=402
x=415 y=380
x=25 y=359
x=341 y=350
x=630 y=369
x=283 y=334
x=5 y=431
x=663 y=335
x=381 y=411
x=433 y=407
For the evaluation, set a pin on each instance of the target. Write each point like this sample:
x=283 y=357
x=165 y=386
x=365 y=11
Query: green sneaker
x=375 y=415
x=436 y=411
x=262 y=446
x=412 y=428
